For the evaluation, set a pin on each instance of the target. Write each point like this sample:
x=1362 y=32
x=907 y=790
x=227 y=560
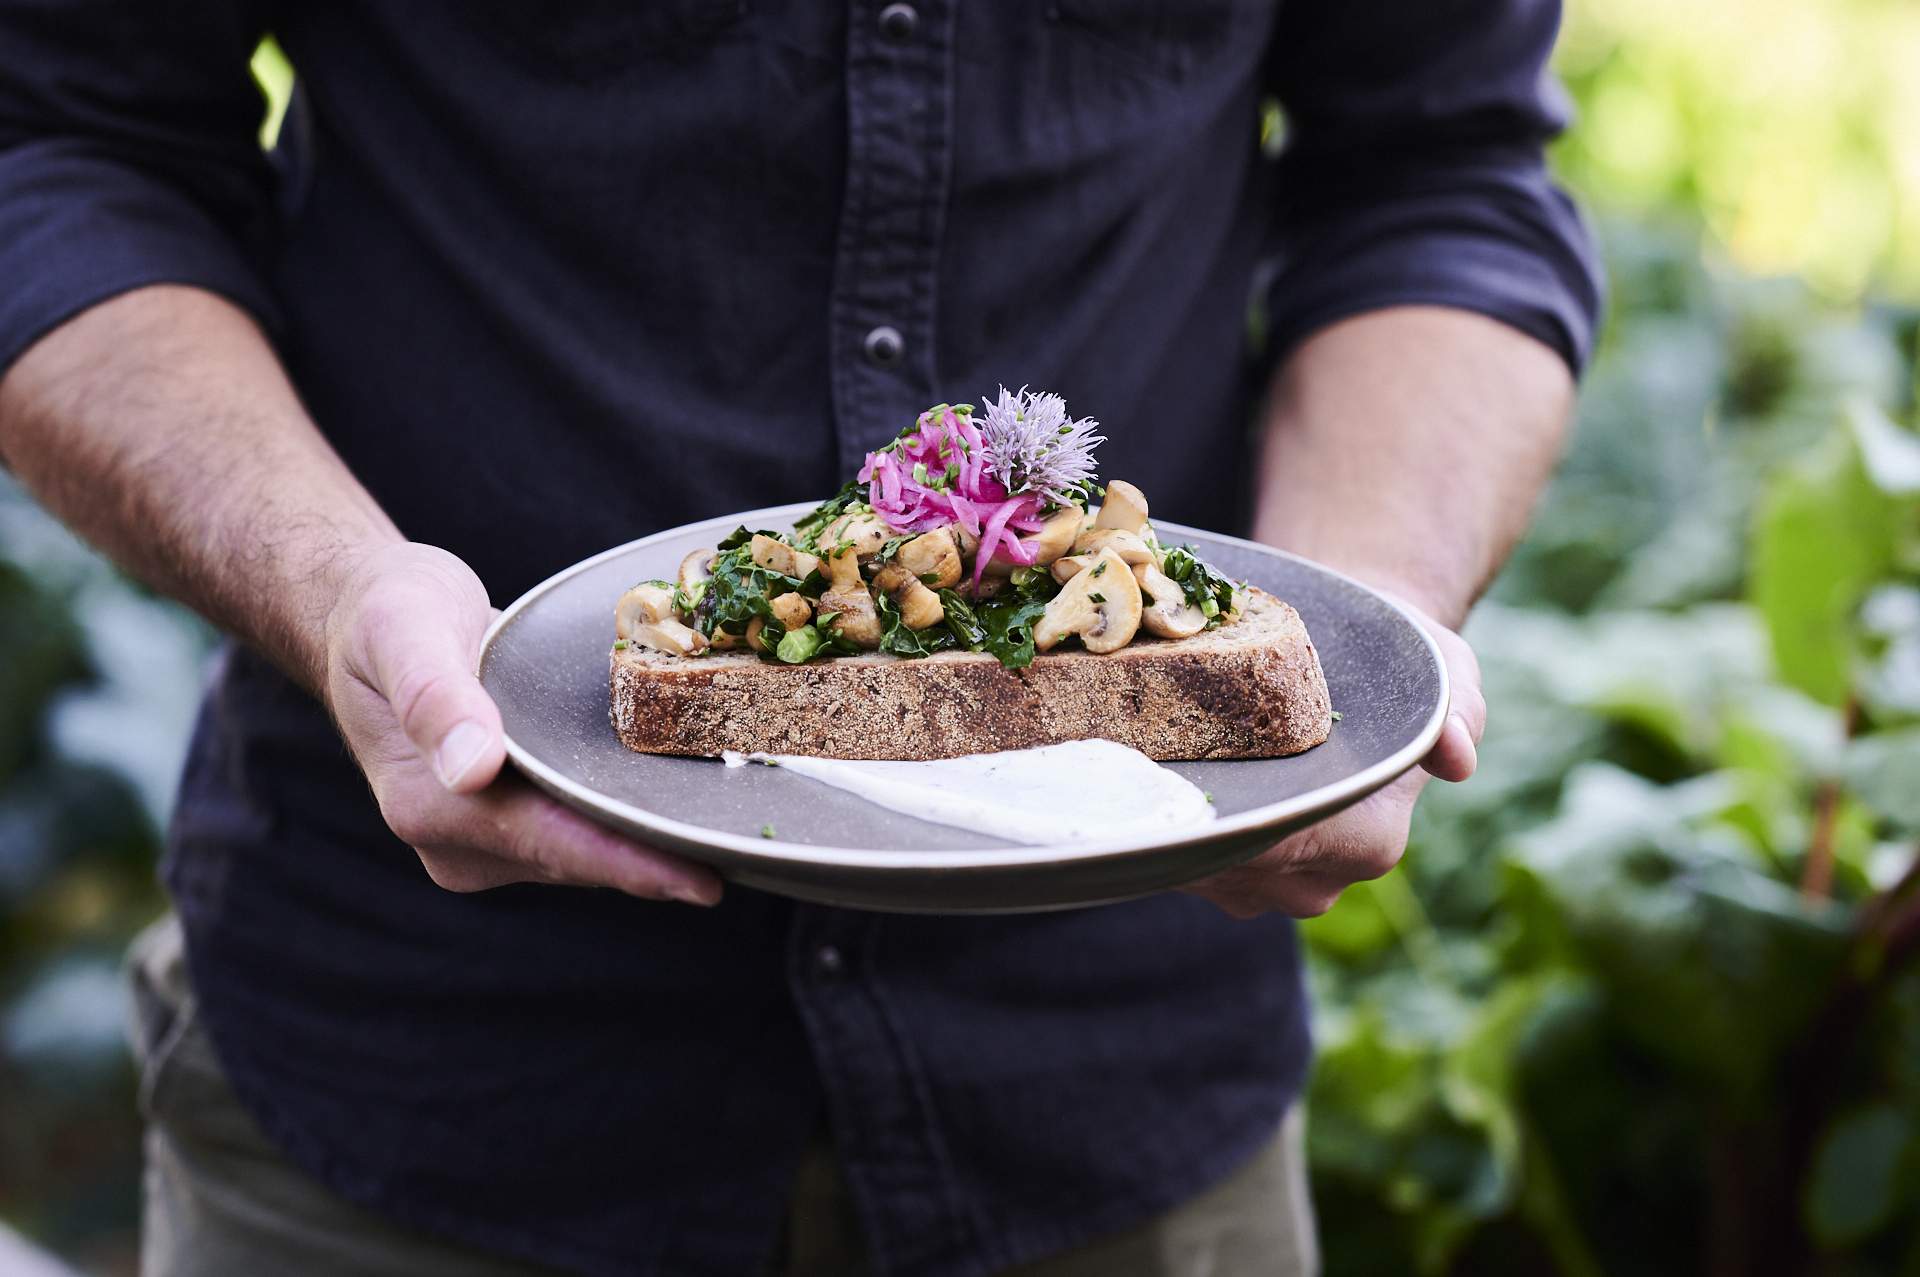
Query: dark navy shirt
x=554 y=276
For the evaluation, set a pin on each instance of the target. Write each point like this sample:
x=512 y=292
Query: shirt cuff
x=78 y=228
x=1532 y=266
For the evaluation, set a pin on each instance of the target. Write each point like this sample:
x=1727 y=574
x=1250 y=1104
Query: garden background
x=1645 y=997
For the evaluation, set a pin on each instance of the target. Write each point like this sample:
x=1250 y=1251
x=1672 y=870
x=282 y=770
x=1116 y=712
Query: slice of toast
x=1250 y=689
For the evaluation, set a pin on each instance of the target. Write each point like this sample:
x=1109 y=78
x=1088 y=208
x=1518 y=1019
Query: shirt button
x=828 y=962
x=885 y=346
x=899 y=21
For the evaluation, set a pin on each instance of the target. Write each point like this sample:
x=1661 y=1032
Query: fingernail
x=688 y=894
x=459 y=750
x=1466 y=740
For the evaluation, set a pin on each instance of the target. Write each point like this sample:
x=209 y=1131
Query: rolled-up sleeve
x=129 y=156
x=1413 y=170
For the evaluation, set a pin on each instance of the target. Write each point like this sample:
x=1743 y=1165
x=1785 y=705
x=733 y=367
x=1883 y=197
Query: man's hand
x=161 y=426
x=402 y=643
x=1304 y=875
x=1405 y=447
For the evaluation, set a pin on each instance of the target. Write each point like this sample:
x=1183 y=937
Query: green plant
x=1645 y=997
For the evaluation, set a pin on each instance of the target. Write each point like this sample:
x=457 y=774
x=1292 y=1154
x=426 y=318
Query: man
x=520 y=284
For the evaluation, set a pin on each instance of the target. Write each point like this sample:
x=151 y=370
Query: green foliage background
x=1645 y=997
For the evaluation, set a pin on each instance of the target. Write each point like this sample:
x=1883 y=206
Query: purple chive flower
x=1033 y=446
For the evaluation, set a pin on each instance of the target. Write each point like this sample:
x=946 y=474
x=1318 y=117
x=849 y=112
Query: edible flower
x=993 y=478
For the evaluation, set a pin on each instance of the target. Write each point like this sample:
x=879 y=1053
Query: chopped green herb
x=1336 y=716
x=1207 y=794
x=619 y=645
x=806 y=530
x=1098 y=568
x=1097 y=598
x=798 y=646
x=920 y=472
x=766 y=831
x=1203 y=584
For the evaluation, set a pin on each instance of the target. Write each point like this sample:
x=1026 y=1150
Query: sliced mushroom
x=671 y=636
x=1101 y=605
x=933 y=557
x=1069 y=566
x=919 y=606
x=695 y=570
x=846 y=596
x=778 y=556
x=1049 y=543
x=1127 y=545
x=642 y=605
x=863 y=531
x=790 y=609
x=1169 y=615
x=1125 y=508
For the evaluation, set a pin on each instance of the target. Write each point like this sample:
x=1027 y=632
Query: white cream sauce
x=1082 y=791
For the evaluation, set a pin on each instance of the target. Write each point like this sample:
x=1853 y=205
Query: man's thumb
x=423 y=665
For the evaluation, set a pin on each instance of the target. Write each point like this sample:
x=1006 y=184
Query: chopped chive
x=1099 y=567
x=1336 y=716
x=619 y=645
x=1207 y=794
x=766 y=831
x=1098 y=598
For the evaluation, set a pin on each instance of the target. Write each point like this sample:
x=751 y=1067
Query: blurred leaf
x=1825 y=535
x=1852 y=1190
x=1889 y=454
x=1883 y=771
x=1706 y=960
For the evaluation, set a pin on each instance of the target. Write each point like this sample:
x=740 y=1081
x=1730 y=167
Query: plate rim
x=1283 y=812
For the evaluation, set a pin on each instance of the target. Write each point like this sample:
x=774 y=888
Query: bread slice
x=1250 y=689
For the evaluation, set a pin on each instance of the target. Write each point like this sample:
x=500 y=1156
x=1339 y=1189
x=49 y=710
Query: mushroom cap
x=843 y=571
x=1100 y=604
x=643 y=604
x=863 y=529
x=919 y=606
x=697 y=567
x=1127 y=545
x=1068 y=566
x=777 y=556
x=1052 y=540
x=670 y=636
x=854 y=614
x=935 y=554
x=791 y=609
x=1124 y=509
x=1169 y=614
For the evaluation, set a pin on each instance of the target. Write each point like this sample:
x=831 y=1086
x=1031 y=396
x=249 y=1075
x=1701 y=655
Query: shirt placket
x=899 y=147
x=885 y=1132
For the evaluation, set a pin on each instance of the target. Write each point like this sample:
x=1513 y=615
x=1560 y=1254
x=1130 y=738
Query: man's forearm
x=1408 y=446
x=161 y=426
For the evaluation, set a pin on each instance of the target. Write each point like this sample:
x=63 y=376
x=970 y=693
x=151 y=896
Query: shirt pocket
x=590 y=39
x=1169 y=39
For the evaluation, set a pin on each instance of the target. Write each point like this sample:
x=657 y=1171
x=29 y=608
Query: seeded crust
x=1250 y=689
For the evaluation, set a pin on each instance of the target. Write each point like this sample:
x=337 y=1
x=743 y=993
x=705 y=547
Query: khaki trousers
x=221 y=1200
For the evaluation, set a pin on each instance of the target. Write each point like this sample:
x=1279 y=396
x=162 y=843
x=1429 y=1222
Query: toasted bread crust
x=1252 y=689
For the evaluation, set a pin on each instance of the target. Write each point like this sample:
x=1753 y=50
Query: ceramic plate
x=545 y=663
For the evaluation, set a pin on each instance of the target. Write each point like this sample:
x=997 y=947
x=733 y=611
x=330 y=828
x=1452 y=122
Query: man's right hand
x=402 y=643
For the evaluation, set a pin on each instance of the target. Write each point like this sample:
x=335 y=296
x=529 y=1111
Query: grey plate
x=545 y=663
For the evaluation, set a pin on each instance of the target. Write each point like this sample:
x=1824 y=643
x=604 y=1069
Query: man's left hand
x=1306 y=873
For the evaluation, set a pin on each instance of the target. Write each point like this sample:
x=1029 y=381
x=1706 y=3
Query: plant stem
x=1816 y=879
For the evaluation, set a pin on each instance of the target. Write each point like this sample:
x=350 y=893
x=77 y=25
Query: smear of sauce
x=1082 y=791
